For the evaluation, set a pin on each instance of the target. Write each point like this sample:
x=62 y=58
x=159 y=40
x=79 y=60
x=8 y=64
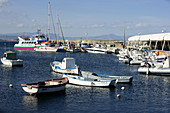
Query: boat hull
x=136 y=62
x=120 y=79
x=36 y=90
x=78 y=80
x=47 y=86
x=98 y=51
x=159 y=71
x=12 y=62
x=25 y=48
x=46 y=49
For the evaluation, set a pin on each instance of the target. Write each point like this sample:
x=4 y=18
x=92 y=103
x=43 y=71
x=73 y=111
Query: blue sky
x=78 y=17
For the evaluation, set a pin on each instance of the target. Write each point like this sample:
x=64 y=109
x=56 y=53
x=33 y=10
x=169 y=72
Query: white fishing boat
x=10 y=59
x=66 y=66
x=47 y=86
x=79 y=80
x=120 y=79
x=161 y=70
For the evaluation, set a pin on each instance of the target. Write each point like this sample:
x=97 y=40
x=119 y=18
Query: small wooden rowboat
x=47 y=86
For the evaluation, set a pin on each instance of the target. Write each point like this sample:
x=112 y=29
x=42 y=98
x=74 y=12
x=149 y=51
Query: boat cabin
x=68 y=63
x=10 y=55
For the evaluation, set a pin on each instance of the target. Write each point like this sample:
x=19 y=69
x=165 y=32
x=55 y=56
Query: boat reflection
x=30 y=102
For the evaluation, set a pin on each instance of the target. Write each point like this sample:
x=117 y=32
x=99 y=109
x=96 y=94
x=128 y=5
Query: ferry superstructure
x=32 y=42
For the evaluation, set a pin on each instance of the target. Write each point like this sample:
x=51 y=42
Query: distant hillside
x=14 y=36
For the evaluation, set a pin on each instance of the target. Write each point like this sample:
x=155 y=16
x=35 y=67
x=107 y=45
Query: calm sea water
x=146 y=93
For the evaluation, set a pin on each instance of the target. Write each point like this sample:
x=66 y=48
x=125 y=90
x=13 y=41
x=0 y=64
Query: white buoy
x=10 y=85
x=122 y=88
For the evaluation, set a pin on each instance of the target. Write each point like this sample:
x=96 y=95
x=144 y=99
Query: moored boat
x=47 y=86
x=10 y=59
x=29 y=43
x=66 y=66
x=160 y=70
x=98 y=50
x=120 y=79
x=46 y=49
x=83 y=81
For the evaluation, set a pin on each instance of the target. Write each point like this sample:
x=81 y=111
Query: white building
x=159 y=41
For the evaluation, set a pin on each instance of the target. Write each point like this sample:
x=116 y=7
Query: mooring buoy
x=10 y=85
x=122 y=88
x=118 y=95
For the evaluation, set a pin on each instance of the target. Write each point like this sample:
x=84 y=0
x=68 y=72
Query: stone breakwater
x=109 y=43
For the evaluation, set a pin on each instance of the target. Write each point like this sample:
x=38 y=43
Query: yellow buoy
x=122 y=88
x=118 y=95
x=10 y=85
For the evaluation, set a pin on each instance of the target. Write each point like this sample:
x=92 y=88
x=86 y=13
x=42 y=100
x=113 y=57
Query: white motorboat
x=98 y=50
x=83 y=81
x=120 y=79
x=161 y=70
x=136 y=62
x=46 y=49
x=66 y=66
x=47 y=86
x=10 y=59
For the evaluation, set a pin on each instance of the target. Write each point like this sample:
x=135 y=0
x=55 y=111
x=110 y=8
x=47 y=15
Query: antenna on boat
x=86 y=36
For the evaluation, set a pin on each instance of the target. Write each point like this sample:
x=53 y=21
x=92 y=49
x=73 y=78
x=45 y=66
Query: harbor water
x=146 y=94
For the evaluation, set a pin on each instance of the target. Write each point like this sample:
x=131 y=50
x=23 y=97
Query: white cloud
x=33 y=20
x=139 y=25
x=20 y=25
x=97 y=26
x=3 y=2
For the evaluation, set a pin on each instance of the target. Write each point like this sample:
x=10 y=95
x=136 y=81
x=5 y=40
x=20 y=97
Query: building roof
x=154 y=37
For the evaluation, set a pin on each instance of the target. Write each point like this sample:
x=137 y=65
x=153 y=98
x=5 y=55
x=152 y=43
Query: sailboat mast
x=48 y=20
x=53 y=24
x=57 y=25
x=124 y=38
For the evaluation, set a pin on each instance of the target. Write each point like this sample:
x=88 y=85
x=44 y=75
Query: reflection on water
x=30 y=102
x=81 y=98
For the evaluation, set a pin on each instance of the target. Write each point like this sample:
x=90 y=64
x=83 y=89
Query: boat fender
x=147 y=65
x=164 y=60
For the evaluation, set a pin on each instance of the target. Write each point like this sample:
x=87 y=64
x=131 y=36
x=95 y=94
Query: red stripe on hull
x=25 y=48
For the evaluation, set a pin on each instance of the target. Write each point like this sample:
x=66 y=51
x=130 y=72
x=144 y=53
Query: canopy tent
x=153 y=37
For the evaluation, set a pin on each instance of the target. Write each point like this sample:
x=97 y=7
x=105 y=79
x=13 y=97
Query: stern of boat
x=113 y=83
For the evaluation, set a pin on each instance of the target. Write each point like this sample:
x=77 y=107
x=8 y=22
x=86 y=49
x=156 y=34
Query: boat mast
x=124 y=37
x=48 y=20
x=57 y=25
x=53 y=24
